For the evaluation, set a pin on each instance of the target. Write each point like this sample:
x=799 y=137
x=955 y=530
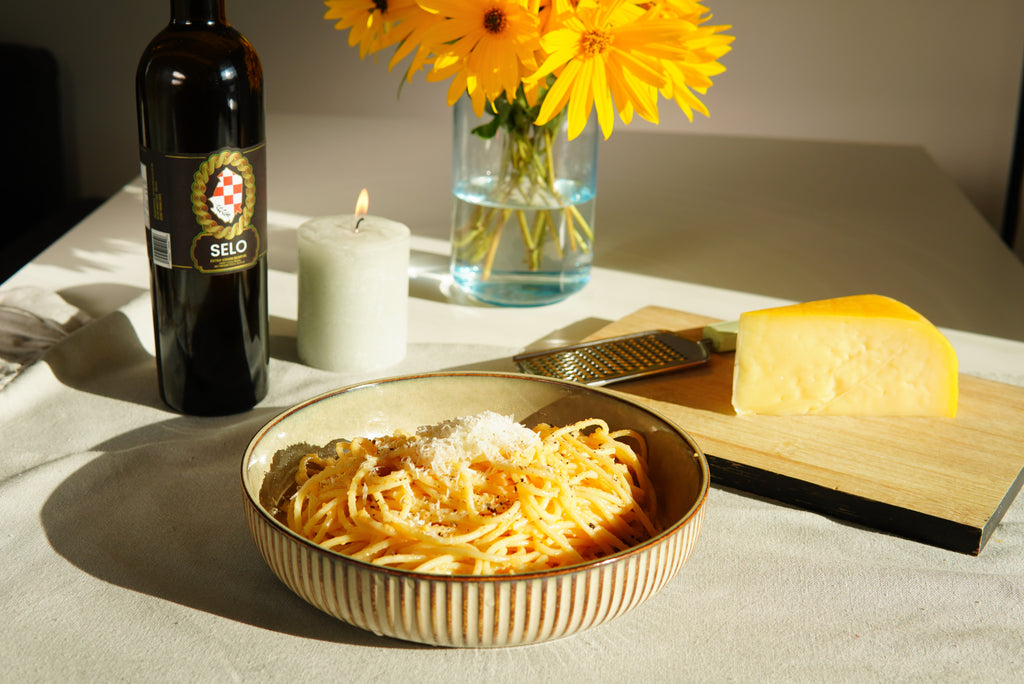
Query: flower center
x=381 y=5
x=594 y=42
x=495 y=20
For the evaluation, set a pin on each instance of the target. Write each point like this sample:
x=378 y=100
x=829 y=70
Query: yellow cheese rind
x=865 y=355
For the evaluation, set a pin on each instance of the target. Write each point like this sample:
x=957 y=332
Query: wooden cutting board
x=944 y=482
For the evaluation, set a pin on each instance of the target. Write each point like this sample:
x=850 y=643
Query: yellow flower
x=612 y=56
x=409 y=34
x=371 y=23
x=693 y=71
x=615 y=56
x=486 y=47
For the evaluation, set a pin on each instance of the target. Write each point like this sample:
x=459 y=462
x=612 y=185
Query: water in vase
x=521 y=251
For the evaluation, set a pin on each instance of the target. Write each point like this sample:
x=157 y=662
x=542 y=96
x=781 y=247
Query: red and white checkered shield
x=226 y=200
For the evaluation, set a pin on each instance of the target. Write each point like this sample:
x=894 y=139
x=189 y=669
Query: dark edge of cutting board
x=871 y=514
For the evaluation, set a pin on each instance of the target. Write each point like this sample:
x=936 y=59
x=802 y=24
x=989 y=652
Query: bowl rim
x=656 y=540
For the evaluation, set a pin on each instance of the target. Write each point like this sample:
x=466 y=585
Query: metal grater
x=616 y=359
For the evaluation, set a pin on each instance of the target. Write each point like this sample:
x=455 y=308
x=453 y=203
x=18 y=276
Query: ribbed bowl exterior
x=469 y=611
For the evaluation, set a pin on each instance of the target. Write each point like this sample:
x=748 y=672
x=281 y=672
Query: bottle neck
x=198 y=11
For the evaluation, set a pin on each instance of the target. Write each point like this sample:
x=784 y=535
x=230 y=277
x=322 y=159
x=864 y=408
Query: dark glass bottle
x=199 y=92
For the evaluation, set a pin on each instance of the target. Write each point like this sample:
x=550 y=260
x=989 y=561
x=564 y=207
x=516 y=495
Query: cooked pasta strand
x=527 y=500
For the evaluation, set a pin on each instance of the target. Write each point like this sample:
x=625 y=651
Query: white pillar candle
x=353 y=292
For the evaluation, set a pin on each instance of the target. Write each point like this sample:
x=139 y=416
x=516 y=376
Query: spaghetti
x=478 y=495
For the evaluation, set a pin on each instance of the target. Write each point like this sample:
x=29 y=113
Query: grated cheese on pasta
x=443 y=445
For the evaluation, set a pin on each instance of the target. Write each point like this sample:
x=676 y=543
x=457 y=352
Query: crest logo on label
x=223 y=194
x=223 y=199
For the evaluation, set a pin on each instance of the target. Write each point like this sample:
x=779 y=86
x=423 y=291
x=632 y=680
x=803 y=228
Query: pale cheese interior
x=865 y=355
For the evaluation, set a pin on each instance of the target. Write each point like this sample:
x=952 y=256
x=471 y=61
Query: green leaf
x=489 y=129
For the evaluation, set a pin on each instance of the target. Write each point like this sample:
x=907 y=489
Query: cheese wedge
x=865 y=355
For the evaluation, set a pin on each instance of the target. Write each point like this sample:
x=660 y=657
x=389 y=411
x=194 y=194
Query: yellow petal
x=558 y=94
x=456 y=88
x=581 y=100
x=603 y=100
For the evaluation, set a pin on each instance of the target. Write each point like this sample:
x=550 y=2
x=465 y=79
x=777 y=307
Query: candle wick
x=356 y=229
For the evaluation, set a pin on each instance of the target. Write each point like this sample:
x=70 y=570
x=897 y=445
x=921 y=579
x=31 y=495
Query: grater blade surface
x=616 y=359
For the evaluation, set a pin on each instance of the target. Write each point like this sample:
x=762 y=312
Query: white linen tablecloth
x=124 y=556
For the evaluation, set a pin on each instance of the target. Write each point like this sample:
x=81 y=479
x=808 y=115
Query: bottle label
x=205 y=212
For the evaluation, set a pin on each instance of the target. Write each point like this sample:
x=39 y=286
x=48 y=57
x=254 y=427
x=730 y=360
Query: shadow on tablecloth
x=159 y=512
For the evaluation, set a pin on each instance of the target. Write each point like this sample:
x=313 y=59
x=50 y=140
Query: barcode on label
x=160 y=243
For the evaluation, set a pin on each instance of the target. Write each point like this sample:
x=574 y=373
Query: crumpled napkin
x=31 y=321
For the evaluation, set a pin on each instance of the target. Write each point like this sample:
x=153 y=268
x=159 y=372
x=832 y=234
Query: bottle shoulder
x=215 y=53
x=199 y=89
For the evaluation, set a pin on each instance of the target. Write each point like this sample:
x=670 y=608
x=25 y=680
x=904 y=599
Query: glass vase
x=523 y=207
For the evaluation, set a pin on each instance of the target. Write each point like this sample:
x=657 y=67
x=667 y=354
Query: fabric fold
x=32 y=320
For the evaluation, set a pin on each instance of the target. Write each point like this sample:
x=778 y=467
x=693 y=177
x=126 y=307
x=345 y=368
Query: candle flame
x=362 y=204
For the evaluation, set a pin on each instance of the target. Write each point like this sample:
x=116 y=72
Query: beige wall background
x=940 y=74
